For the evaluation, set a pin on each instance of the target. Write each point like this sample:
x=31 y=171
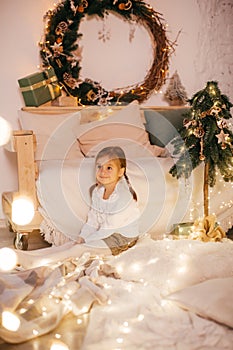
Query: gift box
x=65 y=101
x=181 y=230
x=39 y=88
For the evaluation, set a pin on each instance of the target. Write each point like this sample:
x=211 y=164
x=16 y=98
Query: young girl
x=112 y=222
x=113 y=217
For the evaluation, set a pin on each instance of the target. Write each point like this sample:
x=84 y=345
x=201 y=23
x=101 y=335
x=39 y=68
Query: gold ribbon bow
x=207 y=229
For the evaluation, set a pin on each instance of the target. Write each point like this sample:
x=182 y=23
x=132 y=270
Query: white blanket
x=63 y=190
x=164 y=294
x=142 y=313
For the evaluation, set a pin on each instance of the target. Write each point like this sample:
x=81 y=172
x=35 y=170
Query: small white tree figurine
x=175 y=93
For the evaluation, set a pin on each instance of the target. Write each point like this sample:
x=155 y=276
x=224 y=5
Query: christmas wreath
x=60 y=44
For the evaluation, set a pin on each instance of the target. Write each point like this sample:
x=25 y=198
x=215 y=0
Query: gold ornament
x=222 y=123
x=91 y=96
x=222 y=138
x=128 y=5
x=59 y=40
x=223 y=146
x=202 y=157
x=57 y=48
x=121 y=6
x=125 y=6
x=80 y=9
x=199 y=131
x=187 y=123
x=215 y=110
x=61 y=28
x=203 y=114
x=85 y=4
x=69 y=80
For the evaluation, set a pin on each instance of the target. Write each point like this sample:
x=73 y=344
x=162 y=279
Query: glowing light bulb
x=58 y=345
x=8 y=259
x=5 y=131
x=136 y=267
x=119 y=340
x=10 y=321
x=140 y=317
x=22 y=211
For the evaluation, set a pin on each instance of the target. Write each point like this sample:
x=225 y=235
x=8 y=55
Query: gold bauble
x=121 y=6
x=223 y=146
x=81 y=9
x=202 y=157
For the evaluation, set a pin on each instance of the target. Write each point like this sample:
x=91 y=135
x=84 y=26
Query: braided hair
x=116 y=152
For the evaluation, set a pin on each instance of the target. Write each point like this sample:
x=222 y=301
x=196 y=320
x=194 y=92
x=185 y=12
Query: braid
x=134 y=194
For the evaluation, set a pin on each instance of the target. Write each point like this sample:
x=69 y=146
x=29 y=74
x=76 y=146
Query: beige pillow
x=55 y=134
x=97 y=113
x=124 y=128
x=211 y=299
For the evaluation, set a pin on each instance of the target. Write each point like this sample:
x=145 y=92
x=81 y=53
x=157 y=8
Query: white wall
x=203 y=52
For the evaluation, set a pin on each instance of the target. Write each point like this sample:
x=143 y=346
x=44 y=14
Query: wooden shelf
x=49 y=109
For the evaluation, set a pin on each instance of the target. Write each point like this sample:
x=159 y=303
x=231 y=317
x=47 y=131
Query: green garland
x=61 y=41
x=205 y=136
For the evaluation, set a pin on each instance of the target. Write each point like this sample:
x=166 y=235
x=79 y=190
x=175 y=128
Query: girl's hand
x=80 y=240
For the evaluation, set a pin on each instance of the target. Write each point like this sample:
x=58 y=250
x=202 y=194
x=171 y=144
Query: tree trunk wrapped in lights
x=205 y=137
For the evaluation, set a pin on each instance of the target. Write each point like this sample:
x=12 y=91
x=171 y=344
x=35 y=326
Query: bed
x=164 y=293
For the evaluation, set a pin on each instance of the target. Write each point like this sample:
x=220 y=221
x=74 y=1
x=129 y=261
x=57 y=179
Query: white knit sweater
x=117 y=214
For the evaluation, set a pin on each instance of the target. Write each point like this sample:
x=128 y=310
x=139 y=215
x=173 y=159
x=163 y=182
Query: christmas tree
x=205 y=137
x=175 y=93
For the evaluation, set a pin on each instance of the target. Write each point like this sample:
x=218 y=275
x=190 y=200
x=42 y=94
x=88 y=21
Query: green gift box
x=181 y=230
x=39 y=88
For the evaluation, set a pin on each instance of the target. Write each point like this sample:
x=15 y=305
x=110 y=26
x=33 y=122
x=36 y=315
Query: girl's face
x=108 y=171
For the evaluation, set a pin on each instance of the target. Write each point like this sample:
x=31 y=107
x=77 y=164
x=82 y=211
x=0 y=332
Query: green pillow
x=163 y=124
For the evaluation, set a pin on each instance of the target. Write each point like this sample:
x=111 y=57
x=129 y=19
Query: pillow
x=124 y=128
x=211 y=299
x=55 y=134
x=97 y=113
x=162 y=125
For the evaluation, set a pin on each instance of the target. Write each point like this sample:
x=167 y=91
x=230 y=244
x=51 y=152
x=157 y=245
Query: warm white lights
x=5 y=131
x=10 y=321
x=140 y=317
x=8 y=259
x=58 y=345
x=22 y=211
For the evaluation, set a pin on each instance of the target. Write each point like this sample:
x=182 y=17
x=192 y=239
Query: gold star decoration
x=222 y=138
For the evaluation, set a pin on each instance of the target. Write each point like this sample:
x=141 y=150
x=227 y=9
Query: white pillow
x=211 y=299
x=124 y=128
x=55 y=134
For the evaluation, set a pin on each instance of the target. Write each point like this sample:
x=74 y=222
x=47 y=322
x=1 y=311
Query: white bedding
x=63 y=191
x=142 y=314
x=160 y=294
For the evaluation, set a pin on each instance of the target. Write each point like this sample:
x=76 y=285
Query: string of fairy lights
x=59 y=42
x=61 y=297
